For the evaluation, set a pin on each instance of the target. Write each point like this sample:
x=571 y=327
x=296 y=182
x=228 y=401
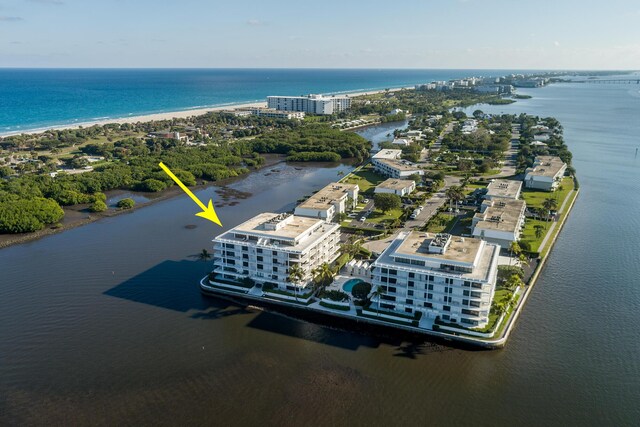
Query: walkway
x=555 y=223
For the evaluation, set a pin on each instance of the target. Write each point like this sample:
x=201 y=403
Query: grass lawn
x=536 y=198
x=470 y=188
x=529 y=232
x=441 y=223
x=378 y=216
x=366 y=179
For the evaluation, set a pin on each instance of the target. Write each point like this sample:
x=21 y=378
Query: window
x=408 y=310
x=259 y=250
x=388 y=297
x=275 y=269
x=409 y=302
x=431 y=278
x=465 y=302
x=412 y=275
x=245 y=264
x=392 y=280
x=275 y=253
x=410 y=284
x=428 y=305
x=388 y=306
x=466 y=283
x=475 y=294
x=245 y=248
x=393 y=272
x=430 y=287
x=429 y=296
x=260 y=267
x=410 y=293
x=445 y=317
x=260 y=259
x=245 y=256
x=384 y=270
x=470 y=312
x=446 y=308
x=475 y=304
x=476 y=285
x=465 y=293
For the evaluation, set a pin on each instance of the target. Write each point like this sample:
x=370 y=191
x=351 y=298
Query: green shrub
x=151 y=185
x=98 y=206
x=126 y=203
x=334 y=295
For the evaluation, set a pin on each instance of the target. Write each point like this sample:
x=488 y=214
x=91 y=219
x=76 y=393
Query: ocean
x=40 y=98
x=105 y=324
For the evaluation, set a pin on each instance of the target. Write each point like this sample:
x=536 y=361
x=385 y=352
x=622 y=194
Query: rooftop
x=396 y=184
x=390 y=154
x=272 y=229
x=472 y=254
x=402 y=165
x=501 y=215
x=546 y=166
x=330 y=194
x=504 y=188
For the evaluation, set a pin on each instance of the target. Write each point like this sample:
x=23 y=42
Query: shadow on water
x=169 y=285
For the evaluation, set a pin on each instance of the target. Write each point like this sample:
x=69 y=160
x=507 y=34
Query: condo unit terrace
x=503 y=189
x=399 y=187
x=440 y=275
x=265 y=247
x=388 y=162
x=499 y=221
x=332 y=200
x=545 y=174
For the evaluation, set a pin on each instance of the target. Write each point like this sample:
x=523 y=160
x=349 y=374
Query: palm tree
x=324 y=274
x=454 y=194
x=296 y=275
x=539 y=230
x=377 y=294
x=549 y=204
x=205 y=255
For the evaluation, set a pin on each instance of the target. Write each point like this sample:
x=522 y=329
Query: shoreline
x=85 y=218
x=178 y=114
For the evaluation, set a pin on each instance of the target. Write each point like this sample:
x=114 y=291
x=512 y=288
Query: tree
x=126 y=203
x=386 y=201
x=539 y=229
x=361 y=290
x=454 y=194
x=98 y=206
x=549 y=204
x=296 y=275
x=204 y=255
x=324 y=275
x=377 y=294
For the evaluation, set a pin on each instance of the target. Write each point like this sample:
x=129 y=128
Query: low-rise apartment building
x=545 y=174
x=399 y=187
x=266 y=246
x=332 y=200
x=388 y=162
x=499 y=221
x=503 y=189
x=440 y=275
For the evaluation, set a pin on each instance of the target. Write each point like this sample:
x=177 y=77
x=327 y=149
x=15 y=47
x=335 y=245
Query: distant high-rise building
x=313 y=104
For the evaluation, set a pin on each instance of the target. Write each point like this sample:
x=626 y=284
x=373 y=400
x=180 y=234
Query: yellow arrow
x=207 y=211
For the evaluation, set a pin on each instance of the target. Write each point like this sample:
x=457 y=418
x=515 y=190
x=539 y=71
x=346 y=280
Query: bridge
x=609 y=81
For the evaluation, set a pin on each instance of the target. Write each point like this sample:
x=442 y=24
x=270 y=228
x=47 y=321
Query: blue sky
x=558 y=34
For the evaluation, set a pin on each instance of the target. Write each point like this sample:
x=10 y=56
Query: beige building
x=503 y=189
x=499 y=221
x=388 y=162
x=545 y=174
x=332 y=200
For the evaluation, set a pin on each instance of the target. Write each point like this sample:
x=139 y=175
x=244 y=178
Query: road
x=510 y=158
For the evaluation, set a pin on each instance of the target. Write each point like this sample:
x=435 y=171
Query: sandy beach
x=170 y=115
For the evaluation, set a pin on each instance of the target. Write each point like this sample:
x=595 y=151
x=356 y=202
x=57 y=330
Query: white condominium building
x=503 y=189
x=277 y=114
x=332 y=200
x=399 y=187
x=266 y=246
x=545 y=174
x=388 y=162
x=439 y=275
x=314 y=104
x=499 y=221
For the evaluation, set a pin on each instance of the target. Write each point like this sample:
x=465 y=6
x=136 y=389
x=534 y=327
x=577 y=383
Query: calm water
x=105 y=324
x=38 y=98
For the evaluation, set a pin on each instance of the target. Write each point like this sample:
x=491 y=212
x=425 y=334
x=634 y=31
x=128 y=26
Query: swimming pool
x=349 y=284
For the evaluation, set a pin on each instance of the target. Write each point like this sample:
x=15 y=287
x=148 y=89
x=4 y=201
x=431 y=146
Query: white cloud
x=556 y=43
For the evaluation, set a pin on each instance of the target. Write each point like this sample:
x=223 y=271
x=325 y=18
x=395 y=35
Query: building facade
x=265 y=247
x=387 y=162
x=447 y=277
x=399 y=187
x=312 y=104
x=332 y=200
x=499 y=221
x=545 y=174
